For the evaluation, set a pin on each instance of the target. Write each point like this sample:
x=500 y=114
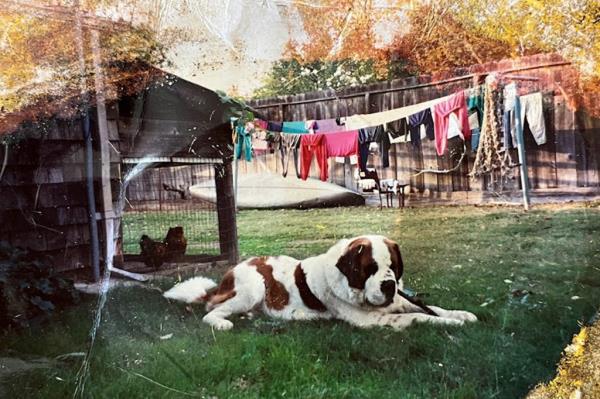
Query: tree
x=340 y=46
x=293 y=77
x=42 y=48
x=438 y=41
x=343 y=29
x=568 y=27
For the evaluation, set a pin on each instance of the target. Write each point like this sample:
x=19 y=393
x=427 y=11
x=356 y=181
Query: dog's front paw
x=223 y=325
x=463 y=315
x=218 y=324
x=452 y=322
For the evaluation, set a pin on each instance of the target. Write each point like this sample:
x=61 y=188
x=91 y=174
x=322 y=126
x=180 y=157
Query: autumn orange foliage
x=343 y=29
x=43 y=68
x=437 y=36
x=437 y=41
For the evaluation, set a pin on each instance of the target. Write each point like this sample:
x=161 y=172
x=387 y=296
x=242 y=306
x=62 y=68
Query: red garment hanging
x=441 y=118
x=313 y=144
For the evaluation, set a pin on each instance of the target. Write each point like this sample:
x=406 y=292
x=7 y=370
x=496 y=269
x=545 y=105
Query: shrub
x=30 y=290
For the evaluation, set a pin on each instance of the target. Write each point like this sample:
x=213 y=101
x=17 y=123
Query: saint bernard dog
x=357 y=280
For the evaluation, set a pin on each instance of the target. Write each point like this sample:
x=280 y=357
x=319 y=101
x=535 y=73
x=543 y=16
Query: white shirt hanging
x=454 y=127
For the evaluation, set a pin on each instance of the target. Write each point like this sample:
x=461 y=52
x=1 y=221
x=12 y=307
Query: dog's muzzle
x=388 y=289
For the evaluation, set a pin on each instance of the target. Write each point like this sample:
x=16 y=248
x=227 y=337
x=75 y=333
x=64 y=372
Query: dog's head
x=368 y=270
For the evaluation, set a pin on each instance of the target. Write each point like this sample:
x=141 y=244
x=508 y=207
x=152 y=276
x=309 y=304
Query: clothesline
x=439 y=119
x=361 y=121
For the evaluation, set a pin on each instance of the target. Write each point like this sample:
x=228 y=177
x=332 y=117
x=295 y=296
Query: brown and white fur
x=356 y=280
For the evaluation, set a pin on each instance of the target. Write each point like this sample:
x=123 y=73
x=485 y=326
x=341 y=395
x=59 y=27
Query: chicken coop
x=86 y=188
x=159 y=200
x=169 y=142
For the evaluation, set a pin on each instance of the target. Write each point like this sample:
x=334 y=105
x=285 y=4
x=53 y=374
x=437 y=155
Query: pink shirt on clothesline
x=441 y=114
x=342 y=144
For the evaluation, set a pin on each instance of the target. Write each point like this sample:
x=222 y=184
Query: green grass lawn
x=466 y=258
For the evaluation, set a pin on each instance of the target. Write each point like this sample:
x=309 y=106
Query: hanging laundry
x=508 y=117
x=342 y=144
x=274 y=126
x=260 y=124
x=373 y=135
x=288 y=146
x=454 y=128
x=474 y=125
x=474 y=122
x=489 y=158
x=475 y=105
x=294 y=127
x=243 y=141
x=509 y=139
x=475 y=109
x=328 y=126
x=398 y=131
x=313 y=144
x=532 y=110
x=475 y=135
x=442 y=112
x=381 y=118
x=260 y=143
x=415 y=121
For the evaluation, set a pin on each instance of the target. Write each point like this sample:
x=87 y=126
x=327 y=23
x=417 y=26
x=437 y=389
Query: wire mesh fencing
x=159 y=208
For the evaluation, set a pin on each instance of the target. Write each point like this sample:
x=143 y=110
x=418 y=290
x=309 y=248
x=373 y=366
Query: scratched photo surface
x=299 y=198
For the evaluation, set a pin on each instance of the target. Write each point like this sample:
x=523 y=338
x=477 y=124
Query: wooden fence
x=569 y=159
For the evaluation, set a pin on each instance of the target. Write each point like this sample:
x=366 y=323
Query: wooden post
x=228 y=239
x=394 y=146
x=236 y=175
x=107 y=215
x=160 y=190
x=236 y=171
x=521 y=151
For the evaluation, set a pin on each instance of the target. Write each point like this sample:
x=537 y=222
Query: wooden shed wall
x=43 y=203
x=570 y=158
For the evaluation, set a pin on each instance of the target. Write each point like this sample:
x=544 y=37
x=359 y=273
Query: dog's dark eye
x=371 y=269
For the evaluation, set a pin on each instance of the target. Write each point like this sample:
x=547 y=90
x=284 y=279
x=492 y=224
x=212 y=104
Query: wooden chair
x=368 y=182
x=396 y=188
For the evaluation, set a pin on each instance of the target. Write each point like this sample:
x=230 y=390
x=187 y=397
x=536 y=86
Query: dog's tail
x=196 y=289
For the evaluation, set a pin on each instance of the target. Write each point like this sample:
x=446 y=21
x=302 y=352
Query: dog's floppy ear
x=356 y=263
x=338 y=248
x=397 y=265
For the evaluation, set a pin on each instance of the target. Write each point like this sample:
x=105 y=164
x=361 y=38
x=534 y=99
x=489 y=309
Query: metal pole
x=521 y=151
x=89 y=155
x=91 y=197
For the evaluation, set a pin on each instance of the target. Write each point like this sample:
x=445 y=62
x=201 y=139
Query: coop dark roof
x=159 y=113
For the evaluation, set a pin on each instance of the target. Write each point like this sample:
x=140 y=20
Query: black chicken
x=153 y=252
